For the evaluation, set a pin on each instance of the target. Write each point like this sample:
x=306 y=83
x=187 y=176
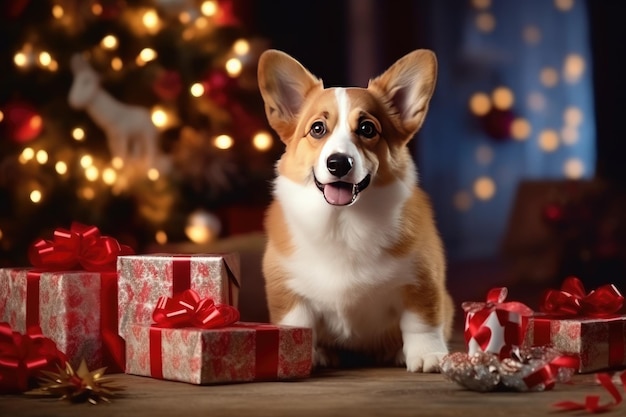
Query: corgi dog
x=352 y=249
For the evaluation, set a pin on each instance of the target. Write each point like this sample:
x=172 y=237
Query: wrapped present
x=220 y=350
x=586 y=325
x=495 y=326
x=70 y=293
x=144 y=278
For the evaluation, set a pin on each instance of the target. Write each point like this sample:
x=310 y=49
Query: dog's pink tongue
x=338 y=193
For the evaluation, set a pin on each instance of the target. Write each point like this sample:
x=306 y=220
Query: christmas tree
x=140 y=117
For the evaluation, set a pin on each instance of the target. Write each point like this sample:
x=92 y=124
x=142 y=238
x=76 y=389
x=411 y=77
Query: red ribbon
x=592 y=402
x=479 y=312
x=573 y=300
x=266 y=353
x=81 y=247
x=185 y=309
x=23 y=356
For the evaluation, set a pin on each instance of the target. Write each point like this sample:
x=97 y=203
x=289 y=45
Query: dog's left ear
x=406 y=88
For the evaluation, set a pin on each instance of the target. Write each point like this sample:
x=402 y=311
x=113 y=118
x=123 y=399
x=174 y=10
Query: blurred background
x=143 y=117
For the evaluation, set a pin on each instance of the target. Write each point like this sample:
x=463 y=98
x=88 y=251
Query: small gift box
x=495 y=326
x=144 y=278
x=220 y=350
x=70 y=294
x=585 y=325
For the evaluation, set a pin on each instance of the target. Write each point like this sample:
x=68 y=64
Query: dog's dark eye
x=318 y=129
x=367 y=129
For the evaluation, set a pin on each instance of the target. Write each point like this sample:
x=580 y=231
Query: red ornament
x=167 y=85
x=226 y=15
x=497 y=123
x=21 y=121
x=220 y=86
x=554 y=213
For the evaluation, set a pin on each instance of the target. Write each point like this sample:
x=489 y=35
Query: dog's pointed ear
x=406 y=88
x=284 y=84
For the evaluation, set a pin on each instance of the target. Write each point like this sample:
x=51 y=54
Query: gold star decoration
x=77 y=386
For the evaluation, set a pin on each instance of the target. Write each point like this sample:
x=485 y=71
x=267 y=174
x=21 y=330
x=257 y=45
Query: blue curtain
x=471 y=163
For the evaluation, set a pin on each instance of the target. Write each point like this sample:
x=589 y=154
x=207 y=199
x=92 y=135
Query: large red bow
x=573 y=300
x=187 y=309
x=23 y=356
x=81 y=246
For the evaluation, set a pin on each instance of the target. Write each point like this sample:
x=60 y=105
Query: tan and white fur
x=353 y=251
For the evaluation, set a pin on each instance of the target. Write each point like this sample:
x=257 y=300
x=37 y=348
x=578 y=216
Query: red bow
x=22 y=356
x=187 y=309
x=573 y=300
x=81 y=246
x=592 y=402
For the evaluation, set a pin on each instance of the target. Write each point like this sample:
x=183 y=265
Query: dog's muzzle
x=341 y=193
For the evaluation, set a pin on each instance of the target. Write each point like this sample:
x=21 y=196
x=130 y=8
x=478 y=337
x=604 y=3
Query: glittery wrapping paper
x=69 y=310
x=229 y=354
x=145 y=278
x=599 y=343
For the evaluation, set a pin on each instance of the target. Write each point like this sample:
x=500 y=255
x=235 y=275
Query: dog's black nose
x=339 y=164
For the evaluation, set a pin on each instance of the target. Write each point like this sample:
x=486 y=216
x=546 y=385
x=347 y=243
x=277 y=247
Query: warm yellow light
x=53 y=66
x=573 y=68
x=196 y=90
x=233 y=67
x=28 y=154
x=86 y=161
x=57 y=11
x=569 y=135
x=78 y=133
x=480 y=104
x=150 y=19
x=146 y=55
x=45 y=58
x=1 y=235
x=223 y=142
x=531 y=35
x=574 y=168
x=564 y=5
x=485 y=22
x=87 y=193
x=484 y=188
x=117 y=64
x=463 y=201
x=117 y=162
x=481 y=4
x=573 y=116
x=548 y=140
x=109 y=176
x=35 y=122
x=160 y=237
x=549 y=77
x=109 y=42
x=503 y=98
x=159 y=117
x=20 y=59
x=201 y=22
x=262 y=141
x=484 y=155
x=92 y=173
x=241 y=47
x=208 y=8
x=520 y=129
x=41 y=156
x=153 y=174
x=35 y=196
x=60 y=167
x=1 y=116
x=184 y=17
x=96 y=9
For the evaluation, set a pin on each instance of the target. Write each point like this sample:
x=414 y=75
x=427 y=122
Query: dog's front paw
x=424 y=362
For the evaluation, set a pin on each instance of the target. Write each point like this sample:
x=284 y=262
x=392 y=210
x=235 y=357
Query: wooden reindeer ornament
x=129 y=130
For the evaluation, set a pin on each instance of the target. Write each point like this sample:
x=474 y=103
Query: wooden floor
x=350 y=392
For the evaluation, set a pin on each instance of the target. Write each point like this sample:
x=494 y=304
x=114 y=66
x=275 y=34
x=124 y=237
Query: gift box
x=240 y=352
x=145 y=278
x=495 y=326
x=70 y=295
x=588 y=326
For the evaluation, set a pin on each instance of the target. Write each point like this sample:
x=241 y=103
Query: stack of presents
x=175 y=317
x=164 y=316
